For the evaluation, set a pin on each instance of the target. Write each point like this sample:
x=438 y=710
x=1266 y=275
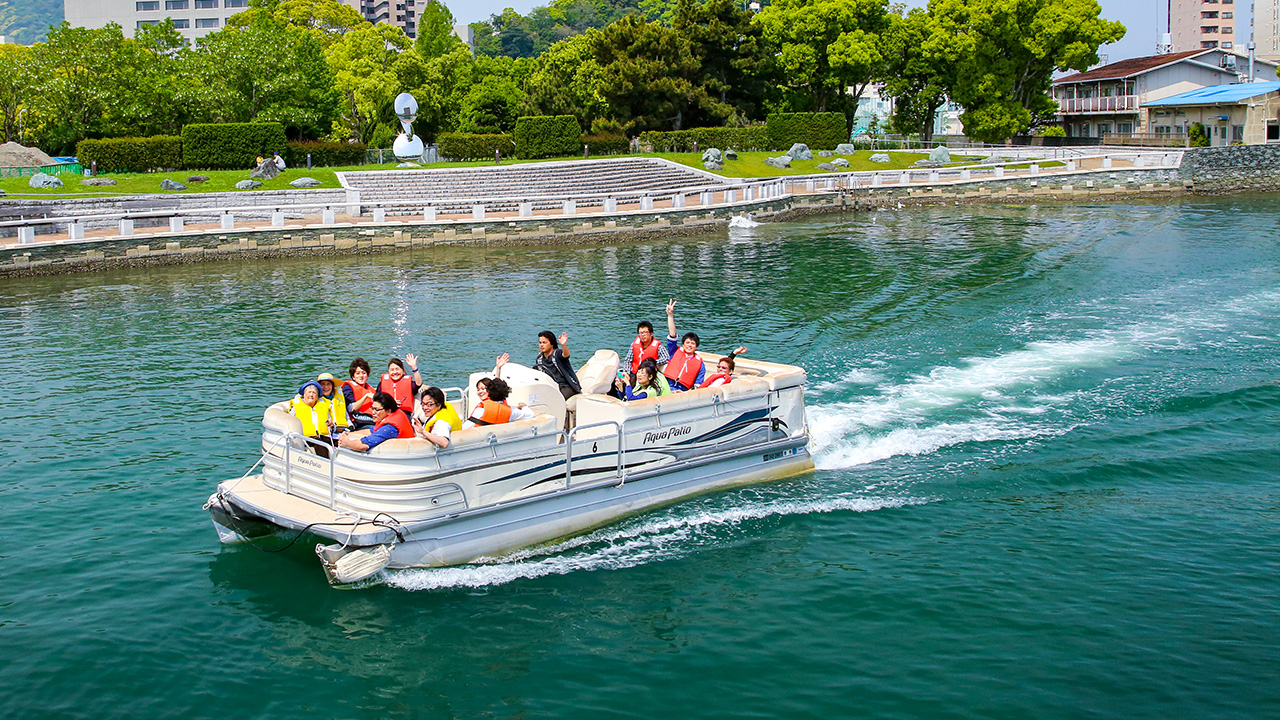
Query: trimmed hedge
x=820 y=131
x=752 y=137
x=465 y=146
x=161 y=152
x=230 y=146
x=607 y=144
x=323 y=154
x=547 y=136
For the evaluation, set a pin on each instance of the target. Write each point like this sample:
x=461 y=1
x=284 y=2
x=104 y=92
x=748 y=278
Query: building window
x=1237 y=133
x=206 y=4
x=182 y=24
x=1228 y=15
x=1228 y=30
x=1209 y=44
x=206 y=22
x=1227 y=45
x=1273 y=131
x=1124 y=128
x=1208 y=29
x=1104 y=129
x=146 y=22
x=146 y=5
x=1209 y=15
x=176 y=4
x=235 y=3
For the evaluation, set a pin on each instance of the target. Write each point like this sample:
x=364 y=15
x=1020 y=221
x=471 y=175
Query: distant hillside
x=27 y=21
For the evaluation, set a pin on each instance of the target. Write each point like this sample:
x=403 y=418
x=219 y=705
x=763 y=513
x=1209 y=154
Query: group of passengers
x=360 y=416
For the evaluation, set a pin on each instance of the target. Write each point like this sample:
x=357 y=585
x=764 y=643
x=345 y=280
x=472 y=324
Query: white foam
x=671 y=534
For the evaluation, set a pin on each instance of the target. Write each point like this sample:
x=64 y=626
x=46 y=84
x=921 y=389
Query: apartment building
x=197 y=18
x=1202 y=24
x=1266 y=28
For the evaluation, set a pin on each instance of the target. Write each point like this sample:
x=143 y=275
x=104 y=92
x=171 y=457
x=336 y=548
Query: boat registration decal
x=780 y=454
x=673 y=432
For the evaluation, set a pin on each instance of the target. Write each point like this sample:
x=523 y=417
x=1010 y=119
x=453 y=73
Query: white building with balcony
x=1109 y=99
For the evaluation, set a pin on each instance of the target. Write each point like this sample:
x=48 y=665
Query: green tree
x=736 y=65
x=364 y=77
x=1003 y=54
x=19 y=83
x=825 y=48
x=324 y=20
x=567 y=80
x=80 y=70
x=490 y=106
x=916 y=81
x=435 y=31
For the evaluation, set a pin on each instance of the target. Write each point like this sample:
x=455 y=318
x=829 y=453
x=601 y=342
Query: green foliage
x=567 y=80
x=1051 y=131
x=915 y=80
x=607 y=144
x=229 y=145
x=752 y=137
x=1196 y=135
x=435 y=31
x=362 y=61
x=820 y=131
x=547 y=136
x=490 y=106
x=736 y=64
x=162 y=152
x=324 y=154
x=1002 y=55
x=464 y=146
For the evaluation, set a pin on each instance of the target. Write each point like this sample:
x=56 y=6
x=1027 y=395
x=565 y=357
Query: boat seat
x=596 y=375
x=742 y=386
x=540 y=425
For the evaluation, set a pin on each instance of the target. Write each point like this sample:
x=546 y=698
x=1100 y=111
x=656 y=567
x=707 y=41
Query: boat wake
x=667 y=535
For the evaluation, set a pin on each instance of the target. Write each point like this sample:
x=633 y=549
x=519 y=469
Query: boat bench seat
x=539 y=426
x=778 y=376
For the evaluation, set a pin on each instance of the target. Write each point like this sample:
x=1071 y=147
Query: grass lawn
x=748 y=165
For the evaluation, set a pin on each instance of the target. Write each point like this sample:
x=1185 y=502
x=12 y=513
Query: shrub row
x=820 y=131
x=162 y=152
x=465 y=146
x=607 y=144
x=547 y=136
x=752 y=137
x=323 y=154
x=229 y=146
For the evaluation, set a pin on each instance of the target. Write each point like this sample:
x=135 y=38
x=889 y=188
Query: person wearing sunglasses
x=388 y=423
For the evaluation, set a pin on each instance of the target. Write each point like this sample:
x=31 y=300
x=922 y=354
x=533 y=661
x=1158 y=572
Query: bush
x=161 y=152
x=607 y=144
x=229 y=146
x=1051 y=131
x=323 y=154
x=751 y=137
x=820 y=131
x=547 y=136
x=1196 y=136
x=464 y=146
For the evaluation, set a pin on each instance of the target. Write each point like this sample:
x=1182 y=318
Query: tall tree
x=567 y=80
x=917 y=81
x=324 y=20
x=19 y=83
x=826 y=48
x=81 y=70
x=1003 y=54
x=435 y=31
x=737 y=65
x=363 y=62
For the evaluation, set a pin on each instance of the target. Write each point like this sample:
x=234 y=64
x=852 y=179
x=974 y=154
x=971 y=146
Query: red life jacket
x=400 y=421
x=683 y=368
x=356 y=390
x=638 y=354
x=401 y=391
x=494 y=413
x=718 y=376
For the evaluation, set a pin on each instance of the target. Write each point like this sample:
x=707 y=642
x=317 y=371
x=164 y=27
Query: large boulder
x=730 y=154
x=266 y=170
x=248 y=185
x=712 y=155
x=940 y=154
x=40 y=180
x=168 y=184
x=712 y=166
x=783 y=161
x=840 y=162
x=825 y=153
x=198 y=179
x=800 y=151
x=826 y=166
x=926 y=164
x=880 y=158
x=98 y=182
x=846 y=149
x=306 y=182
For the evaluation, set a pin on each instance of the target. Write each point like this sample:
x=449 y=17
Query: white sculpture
x=407 y=145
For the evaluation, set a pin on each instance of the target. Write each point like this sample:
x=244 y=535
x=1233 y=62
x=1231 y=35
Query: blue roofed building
x=1247 y=113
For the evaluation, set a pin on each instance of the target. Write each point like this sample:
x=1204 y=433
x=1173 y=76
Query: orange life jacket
x=494 y=413
x=400 y=421
x=400 y=390
x=356 y=390
x=638 y=354
x=683 y=368
x=710 y=381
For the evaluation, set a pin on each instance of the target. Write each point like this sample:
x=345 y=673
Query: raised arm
x=564 y=344
x=501 y=360
x=671 y=317
x=413 y=366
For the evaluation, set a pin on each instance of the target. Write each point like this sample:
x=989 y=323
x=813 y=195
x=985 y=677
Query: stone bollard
x=379 y=215
x=730 y=196
x=175 y=224
x=646 y=203
x=570 y=207
x=477 y=211
x=227 y=221
x=966 y=175
x=75 y=231
x=26 y=235
x=610 y=205
x=526 y=209
x=126 y=227
x=677 y=200
x=326 y=217
x=1071 y=166
x=1034 y=169
x=748 y=193
x=998 y=171
x=277 y=219
x=1106 y=161
x=706 y=198
x=934 y=176
x=905 y=179
x=809 y=186
x=428 y=214
x=876 y=180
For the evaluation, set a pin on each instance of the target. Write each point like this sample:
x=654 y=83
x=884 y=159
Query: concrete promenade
x=343 y=225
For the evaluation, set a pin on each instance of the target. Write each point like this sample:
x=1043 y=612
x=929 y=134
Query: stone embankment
x=708 y=209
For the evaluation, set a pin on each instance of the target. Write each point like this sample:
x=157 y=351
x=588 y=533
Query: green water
x=1047 y=488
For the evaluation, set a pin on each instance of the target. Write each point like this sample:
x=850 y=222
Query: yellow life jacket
x=335 y=410
x=310 y=417
x=447 y=414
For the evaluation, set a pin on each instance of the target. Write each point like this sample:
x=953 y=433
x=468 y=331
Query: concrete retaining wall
x=1232 y=169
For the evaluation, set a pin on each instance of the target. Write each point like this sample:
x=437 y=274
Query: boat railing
x=619 y=450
